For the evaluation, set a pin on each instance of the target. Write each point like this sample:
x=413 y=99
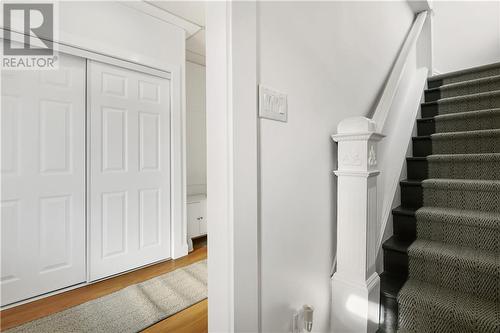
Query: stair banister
x=390 y=89
x=356 y=284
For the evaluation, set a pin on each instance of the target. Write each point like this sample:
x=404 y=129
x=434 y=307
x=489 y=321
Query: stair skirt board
x=442 y=265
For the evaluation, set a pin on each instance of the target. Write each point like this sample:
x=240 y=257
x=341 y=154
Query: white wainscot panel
x=114 y=223
x=55 y=233
x=149 y=127
x=10 y=240
x=10 y=134
x=150 y=216
x=55 y=137
x=149 y=92
x=114 y=85
x=114 y=139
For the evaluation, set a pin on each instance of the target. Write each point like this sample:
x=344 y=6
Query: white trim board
x=232 y=168
x=92 y=55
x=148 y=8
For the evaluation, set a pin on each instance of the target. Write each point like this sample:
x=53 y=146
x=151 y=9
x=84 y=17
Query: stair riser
x=462 y=199
x=431 y=84
x=432 y=95
x=429 y=110
x=426 y=127
x=404 y=226
x=482 y=122
x=466 y=145
x=388 y=314
x=476 y=88
x=411 y=196
x=396 y=263
x=455 y=277
x=474 y=237
x=464 y=170
x=422 y=147
x=417 y=170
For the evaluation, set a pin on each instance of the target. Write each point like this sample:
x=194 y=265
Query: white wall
x=332 y=59
x=466 y=34
x=196 y=143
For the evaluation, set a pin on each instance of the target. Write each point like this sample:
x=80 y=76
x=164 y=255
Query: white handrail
x=385 y=102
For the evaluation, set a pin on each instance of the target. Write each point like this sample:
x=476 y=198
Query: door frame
x=233 y=167
x=178 y=225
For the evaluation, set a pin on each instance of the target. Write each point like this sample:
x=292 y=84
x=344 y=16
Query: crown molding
x=152 y=10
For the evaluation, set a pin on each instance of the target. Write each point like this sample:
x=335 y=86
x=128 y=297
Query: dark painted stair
x=395 y=249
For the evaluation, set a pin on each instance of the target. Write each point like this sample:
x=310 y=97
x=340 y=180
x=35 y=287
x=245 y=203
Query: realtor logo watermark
x=28 y=34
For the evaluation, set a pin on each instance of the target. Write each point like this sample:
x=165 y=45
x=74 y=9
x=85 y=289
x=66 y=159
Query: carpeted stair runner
x=468 y=121
x=474 y=86
x=464 y=166
x=453 y=265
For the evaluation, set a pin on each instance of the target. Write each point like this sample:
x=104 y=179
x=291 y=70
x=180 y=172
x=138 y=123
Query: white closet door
x=43 y=180
x=129 y=169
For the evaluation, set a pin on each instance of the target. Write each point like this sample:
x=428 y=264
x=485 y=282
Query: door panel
x=43 y=180
x=129 y=169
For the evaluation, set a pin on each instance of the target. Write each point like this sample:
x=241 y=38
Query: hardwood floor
x=193 y=319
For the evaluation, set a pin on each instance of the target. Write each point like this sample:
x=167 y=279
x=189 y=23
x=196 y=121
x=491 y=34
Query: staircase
x=442 y=265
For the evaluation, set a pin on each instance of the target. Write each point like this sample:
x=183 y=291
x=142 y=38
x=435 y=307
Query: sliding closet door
x=129 y=169
x=43 y=180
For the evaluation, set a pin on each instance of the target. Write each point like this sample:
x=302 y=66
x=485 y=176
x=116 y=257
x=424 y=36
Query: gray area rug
x=131 y=309
x=454 y=264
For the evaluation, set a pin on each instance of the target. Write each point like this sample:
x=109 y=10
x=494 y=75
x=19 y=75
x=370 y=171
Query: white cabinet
x=197 y=216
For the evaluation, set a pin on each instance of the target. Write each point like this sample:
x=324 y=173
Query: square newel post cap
x=357 y=147
x=357 y=128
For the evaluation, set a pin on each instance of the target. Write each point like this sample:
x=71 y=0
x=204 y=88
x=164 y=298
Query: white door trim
x=232 y=168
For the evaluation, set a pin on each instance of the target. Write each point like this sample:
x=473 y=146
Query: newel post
x=356 y=284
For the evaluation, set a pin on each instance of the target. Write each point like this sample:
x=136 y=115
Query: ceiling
x=194 y=12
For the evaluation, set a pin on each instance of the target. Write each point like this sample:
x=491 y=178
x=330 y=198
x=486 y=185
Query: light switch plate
x=272 y=104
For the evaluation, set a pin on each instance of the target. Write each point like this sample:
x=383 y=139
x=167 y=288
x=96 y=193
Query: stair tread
x=422 y=137
x=466 y=114
x=420 y=120
x=398 y=245
x=466 y=83
x=481 y=218
x=464 y=71
x=485 y=261
x=416 y=158
x=463 y=184
x=410 y=182
x=391 y=284
x=461 y=134
x=463 y=157
x=400 y=210
x=463 y=98
x=459 y=305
